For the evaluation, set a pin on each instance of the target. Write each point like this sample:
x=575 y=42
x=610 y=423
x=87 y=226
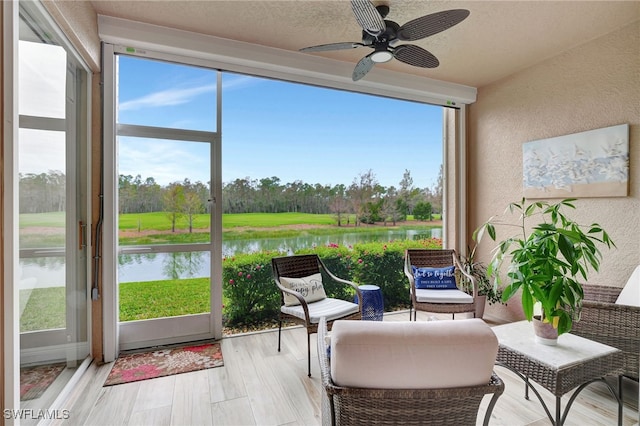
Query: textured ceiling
x=496 y=40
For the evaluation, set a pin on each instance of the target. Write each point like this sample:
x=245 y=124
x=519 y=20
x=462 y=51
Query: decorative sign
x=588 y=164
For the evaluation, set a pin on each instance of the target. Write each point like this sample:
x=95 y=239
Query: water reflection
x=162 y=266
x=289 y=245
x=41 y=272
x=184 y=265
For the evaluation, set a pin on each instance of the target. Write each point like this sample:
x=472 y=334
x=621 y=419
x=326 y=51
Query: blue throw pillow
x=435 y=278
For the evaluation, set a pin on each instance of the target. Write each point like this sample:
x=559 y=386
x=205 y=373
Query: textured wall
x=79 y=22
x=591 y=86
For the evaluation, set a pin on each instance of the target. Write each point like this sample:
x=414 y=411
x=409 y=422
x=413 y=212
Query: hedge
x=252 y=297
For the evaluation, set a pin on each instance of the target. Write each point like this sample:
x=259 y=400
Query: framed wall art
x=587 y=164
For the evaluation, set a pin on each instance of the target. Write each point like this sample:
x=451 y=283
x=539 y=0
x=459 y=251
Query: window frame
x=12 y=121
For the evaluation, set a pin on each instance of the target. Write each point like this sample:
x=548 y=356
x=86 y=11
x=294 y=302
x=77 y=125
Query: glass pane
x=307 y=168
x=42 y=166
x=42 y=291
x=163 y=94
x=52 y=283
x=323 y=156
x=42 y=70
x=42 y=194
x=159 y=285
x=163 y=201
x=163 y=191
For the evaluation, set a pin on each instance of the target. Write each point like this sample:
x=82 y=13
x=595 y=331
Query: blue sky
x=273 y=128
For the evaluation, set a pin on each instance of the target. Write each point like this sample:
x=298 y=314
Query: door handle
x=82 y=237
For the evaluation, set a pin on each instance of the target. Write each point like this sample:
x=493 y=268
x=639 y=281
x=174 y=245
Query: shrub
x=422 y=211
x=382 y=264
x=251 y=296
x=248 y=289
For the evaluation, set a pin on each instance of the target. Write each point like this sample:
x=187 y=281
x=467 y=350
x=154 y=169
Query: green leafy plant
x=248 y=288
x=478 y=270
x=546 y=260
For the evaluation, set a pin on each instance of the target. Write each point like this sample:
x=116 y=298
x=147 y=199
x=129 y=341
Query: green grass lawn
x=160 y=221
x=44 y=308
x=166 y=298
x=235 y=226
x=49 y=220
x=239 y=226
x=270 y=220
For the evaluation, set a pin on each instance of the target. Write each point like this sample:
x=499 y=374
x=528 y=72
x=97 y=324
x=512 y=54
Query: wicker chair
x=615 y=325
x=309 y=314
x=378 y=406
x=424 y=300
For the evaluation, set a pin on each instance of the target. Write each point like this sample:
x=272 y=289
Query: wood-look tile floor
x=260 y=386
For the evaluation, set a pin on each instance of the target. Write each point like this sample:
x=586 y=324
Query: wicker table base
x=574 y=363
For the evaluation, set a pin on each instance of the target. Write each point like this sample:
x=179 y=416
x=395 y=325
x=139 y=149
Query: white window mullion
x=11 y=321
x=138 y=131
x=43 y=123
x=110 y=202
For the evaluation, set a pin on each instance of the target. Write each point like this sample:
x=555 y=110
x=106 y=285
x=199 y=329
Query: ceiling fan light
x=381 y=56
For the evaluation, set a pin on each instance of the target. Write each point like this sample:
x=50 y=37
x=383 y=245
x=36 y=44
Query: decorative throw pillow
x=435 y=278
x=310 y=288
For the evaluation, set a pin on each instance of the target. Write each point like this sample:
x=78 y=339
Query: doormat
x=164 y=362
x=35 y=380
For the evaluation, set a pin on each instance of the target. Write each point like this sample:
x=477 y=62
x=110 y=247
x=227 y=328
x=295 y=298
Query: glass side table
x=372 y=302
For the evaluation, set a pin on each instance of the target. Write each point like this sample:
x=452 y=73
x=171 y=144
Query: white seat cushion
x=329 y=308
x=630 y=294
x=442 y=296
x=412 y=355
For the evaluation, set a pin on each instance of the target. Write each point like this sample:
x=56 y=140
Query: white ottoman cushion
x=630 y=294
x=412 y=355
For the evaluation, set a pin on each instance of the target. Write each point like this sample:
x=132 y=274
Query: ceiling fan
x=383 y=36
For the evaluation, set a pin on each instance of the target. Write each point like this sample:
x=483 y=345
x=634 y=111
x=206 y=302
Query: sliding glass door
x=52 y=196
x=165 y=141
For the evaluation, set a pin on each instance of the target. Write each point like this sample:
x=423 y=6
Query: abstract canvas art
x=587 y=164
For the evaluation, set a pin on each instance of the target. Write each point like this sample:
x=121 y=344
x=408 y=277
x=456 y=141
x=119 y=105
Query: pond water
x=159 y=266
x=289 y=245
x=49 y=271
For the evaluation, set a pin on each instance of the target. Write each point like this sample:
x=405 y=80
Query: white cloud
x=40 y=151
x=178 y=96
x=165 y=161
x=42 y=80
x=167 y=97
x=232 y=81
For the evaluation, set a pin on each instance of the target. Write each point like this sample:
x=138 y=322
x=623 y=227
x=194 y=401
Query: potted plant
x=545 y=260
x=486 y=290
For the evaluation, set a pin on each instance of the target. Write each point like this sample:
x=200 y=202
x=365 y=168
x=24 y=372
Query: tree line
x=42 y=192
x=365 y=199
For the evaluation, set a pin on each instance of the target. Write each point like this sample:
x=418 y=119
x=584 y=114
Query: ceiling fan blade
x=368 y=17
x=332 y=46
x=416 y=56
x=434 y=23
x=362 y=67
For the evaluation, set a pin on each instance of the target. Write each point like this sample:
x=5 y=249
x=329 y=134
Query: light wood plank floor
x=259 y=386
